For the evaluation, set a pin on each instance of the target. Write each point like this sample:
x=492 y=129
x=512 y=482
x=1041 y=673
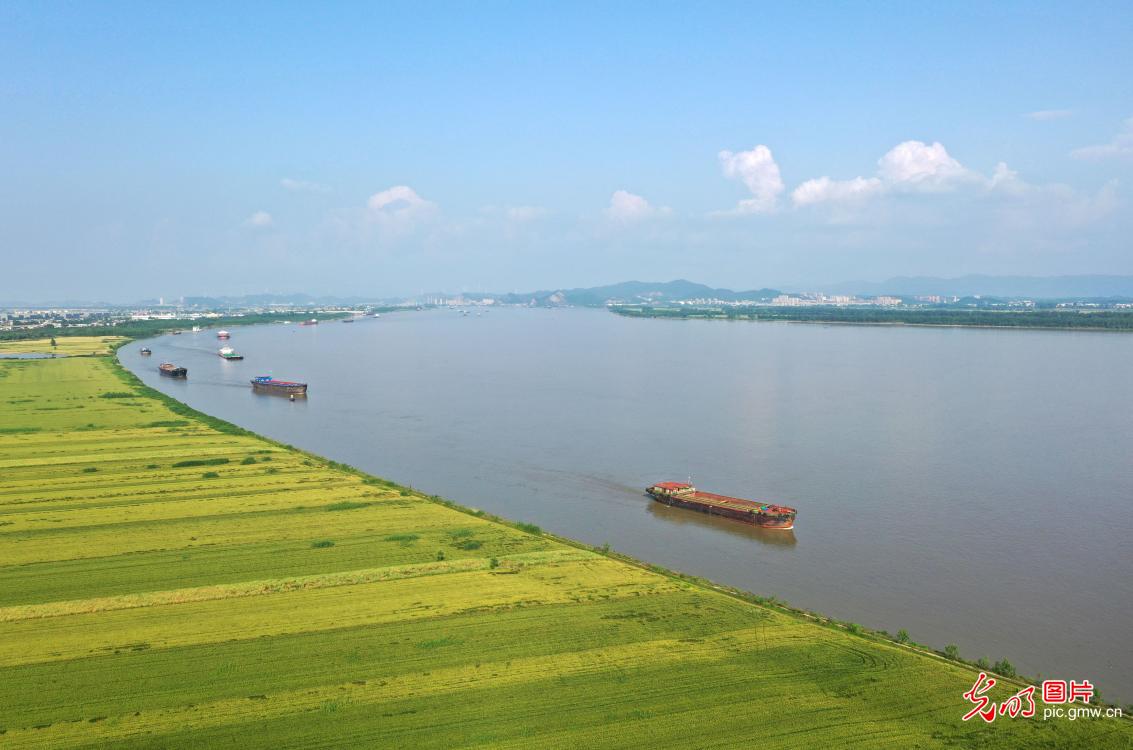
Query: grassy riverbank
x=168 y=580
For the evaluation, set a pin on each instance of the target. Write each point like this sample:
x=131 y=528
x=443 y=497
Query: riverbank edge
x=771 y=603
x=876 y=324
x=163 y=327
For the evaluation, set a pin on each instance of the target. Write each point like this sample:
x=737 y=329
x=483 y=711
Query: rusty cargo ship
x=171 y=370
x=268 y=384
x=764 y=515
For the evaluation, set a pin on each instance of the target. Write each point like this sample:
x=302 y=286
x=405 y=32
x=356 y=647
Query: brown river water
x=972 y=486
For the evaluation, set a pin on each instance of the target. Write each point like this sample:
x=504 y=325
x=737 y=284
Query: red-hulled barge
x=765 y=515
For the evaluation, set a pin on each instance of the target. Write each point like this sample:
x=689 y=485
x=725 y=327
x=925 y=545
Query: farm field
x=64 y=345
x=167 y=580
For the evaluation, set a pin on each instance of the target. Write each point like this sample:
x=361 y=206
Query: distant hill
x=1042 y=287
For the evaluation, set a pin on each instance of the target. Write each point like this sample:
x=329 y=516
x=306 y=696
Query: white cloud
x=1044 y=115
x=1121 y=147
x=822 y=189
x=914 y=164
x=759 y=172
x=259 y=219
x=524 y=213
x=910 y=166
x=1005 y=178
x=627 y=207
x=302 y=186
x=399 y=206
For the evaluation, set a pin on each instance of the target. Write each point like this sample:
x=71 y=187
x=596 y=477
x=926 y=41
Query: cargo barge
x=171 y=370
x=764 y=515
x=227 y=352
x=268 y=384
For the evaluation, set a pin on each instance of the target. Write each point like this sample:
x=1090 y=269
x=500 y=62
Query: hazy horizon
x=406 y=149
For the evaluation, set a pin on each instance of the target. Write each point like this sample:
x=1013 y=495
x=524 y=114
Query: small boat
x=145 y=351
x=268 y=384
x=196 y=329
x=348 y=320
x=311 y=322
x=172 y=370
x=223 y=335
x=176 y=333
x=377 y=315
x=684 y=495
x=227 y=352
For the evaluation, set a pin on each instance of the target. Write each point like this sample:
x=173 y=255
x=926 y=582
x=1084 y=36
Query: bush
x=493 y=563
x=90 y=469
x=209 y=475
x=200 y=462
x=902 y=636
x=1003 y=667
x=469 y=544
x=461 y=533
x=118 y=394
x=530 y=528
x=982 y=663
x=951 y=651
x=403 y=538
x=248 y=460
x=151 y=466
x=854 y=628
x=440 y=555
x=322 y=544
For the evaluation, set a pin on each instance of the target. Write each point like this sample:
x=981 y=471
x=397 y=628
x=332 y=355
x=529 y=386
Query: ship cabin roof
x=673 y=485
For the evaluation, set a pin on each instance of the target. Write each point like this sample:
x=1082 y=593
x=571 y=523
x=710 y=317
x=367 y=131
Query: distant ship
x=348 y=320
x=196 y=329
x=223 y=335
x=268 y=384
x=172 y=370
x=227 y=352
x=145 y=351
x=311 y=322
x=684 y=495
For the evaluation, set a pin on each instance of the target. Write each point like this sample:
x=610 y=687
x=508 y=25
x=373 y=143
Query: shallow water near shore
x=972 y=486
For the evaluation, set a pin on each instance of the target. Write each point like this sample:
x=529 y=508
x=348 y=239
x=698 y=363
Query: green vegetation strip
x=1105 y=320
x=292 y=601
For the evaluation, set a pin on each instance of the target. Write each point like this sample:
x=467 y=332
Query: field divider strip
x=507 y=563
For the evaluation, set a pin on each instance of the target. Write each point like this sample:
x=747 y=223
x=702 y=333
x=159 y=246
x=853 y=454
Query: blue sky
x=355 y=148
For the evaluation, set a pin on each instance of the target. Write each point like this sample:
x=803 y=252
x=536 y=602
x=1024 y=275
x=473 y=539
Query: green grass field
x=286 y=602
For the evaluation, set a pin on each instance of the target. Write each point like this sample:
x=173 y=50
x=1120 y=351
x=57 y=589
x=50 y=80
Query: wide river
x=971 y=486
